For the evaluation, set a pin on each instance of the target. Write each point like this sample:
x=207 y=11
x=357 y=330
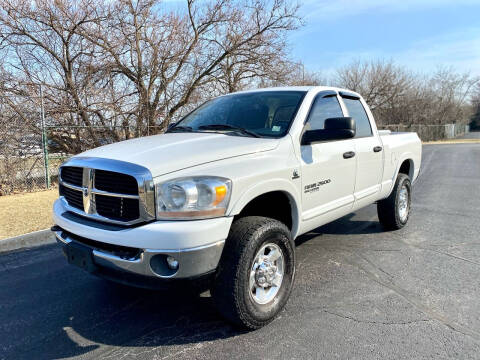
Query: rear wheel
x=256 y=272
x=393 y=212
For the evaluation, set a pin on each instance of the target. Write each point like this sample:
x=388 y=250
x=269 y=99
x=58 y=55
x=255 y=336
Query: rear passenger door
x=369 y=152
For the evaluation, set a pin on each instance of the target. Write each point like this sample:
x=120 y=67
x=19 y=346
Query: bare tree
x=475 y=102
x=451 y=92
x=381 y=83
x=301 y=76
x=40 y=38
x=169 y=58
x=112 y=70
x=397 y=96
x=265 y=66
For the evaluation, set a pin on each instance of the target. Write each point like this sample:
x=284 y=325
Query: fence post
x=44 y=141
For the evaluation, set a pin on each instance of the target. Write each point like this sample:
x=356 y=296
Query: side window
x=356 y=111
x=323 y=108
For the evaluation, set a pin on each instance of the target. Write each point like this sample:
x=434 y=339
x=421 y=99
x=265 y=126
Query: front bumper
x=143 y=250
x=147 y=262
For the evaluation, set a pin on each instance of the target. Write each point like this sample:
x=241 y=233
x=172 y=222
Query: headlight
x=196 y=197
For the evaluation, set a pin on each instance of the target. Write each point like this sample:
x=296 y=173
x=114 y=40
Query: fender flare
x=268 y=186
x=405 y=156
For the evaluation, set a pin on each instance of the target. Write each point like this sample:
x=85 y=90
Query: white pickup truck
x=221 y=196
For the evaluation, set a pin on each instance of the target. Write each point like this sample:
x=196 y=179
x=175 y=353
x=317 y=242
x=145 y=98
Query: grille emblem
x=87 y=185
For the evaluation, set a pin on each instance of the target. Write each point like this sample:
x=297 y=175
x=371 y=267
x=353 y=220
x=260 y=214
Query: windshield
x=261 y=114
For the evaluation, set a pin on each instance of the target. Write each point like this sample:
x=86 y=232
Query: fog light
x=172 y=263
x=164 y=265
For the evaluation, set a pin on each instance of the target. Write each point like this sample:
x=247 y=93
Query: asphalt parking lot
x=360 y=292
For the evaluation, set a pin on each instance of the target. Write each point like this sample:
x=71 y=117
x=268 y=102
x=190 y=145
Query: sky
x=422 y=35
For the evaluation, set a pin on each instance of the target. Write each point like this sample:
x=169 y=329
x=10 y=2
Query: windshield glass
x=263 y=113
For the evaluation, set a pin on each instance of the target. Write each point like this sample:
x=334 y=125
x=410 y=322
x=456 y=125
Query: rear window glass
x=356 y=111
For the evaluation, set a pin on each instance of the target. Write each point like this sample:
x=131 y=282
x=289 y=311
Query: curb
x=32 y=239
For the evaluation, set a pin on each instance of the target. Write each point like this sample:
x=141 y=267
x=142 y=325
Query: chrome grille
x=115 y=182
x=117 y=208
x=95 y=190
x=72 y=175
x=73 y=197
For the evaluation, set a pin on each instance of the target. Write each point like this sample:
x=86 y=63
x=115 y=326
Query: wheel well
x=275 y=205
x=406 y=168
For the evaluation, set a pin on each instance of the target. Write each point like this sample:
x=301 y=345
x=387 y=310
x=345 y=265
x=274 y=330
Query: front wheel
x=393 y=212
x=256 y=272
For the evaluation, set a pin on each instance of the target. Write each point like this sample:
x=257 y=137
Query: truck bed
x=399 y=146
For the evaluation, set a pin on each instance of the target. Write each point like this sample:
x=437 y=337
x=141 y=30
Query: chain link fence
x=23 y=165
x=28 y=162
x=27 y=173
x=431 y=132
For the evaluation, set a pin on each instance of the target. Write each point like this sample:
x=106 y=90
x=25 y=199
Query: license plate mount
x=81 y=256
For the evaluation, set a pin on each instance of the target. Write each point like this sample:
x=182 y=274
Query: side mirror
x=334 y=129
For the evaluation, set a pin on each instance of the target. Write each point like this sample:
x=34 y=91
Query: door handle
x=377 y=149
x=348 y=154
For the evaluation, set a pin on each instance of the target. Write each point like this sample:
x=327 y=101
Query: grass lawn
x=24 y=213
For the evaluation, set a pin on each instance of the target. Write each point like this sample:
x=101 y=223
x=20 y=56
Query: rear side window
x=323 y=108
x=356 y=111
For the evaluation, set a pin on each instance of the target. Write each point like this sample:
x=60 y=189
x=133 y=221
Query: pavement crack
x=375 y=265
x=374 y=275
x=385 y=250
x=436 y=251
x=375 y=322
x=454 y=256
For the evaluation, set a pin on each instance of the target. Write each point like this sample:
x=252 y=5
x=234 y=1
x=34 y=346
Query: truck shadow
x=133 y=318
x=343 y=226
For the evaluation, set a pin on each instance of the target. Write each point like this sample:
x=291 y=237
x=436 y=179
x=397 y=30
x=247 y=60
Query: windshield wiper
x=180 y=128
x=228 y=127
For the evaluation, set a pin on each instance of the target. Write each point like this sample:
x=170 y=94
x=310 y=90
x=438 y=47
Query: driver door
x=328 y=178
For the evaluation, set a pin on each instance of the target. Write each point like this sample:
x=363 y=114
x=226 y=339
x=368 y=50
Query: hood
x=165 y=153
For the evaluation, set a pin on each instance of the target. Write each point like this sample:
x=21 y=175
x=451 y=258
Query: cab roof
x=299 y=88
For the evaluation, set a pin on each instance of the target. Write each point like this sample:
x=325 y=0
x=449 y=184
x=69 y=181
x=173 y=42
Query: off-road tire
x=388 y=209
x=231 y=290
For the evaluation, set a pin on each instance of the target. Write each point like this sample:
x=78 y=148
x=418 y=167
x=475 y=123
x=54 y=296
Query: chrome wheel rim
x=266 y=273
x=403 y=203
